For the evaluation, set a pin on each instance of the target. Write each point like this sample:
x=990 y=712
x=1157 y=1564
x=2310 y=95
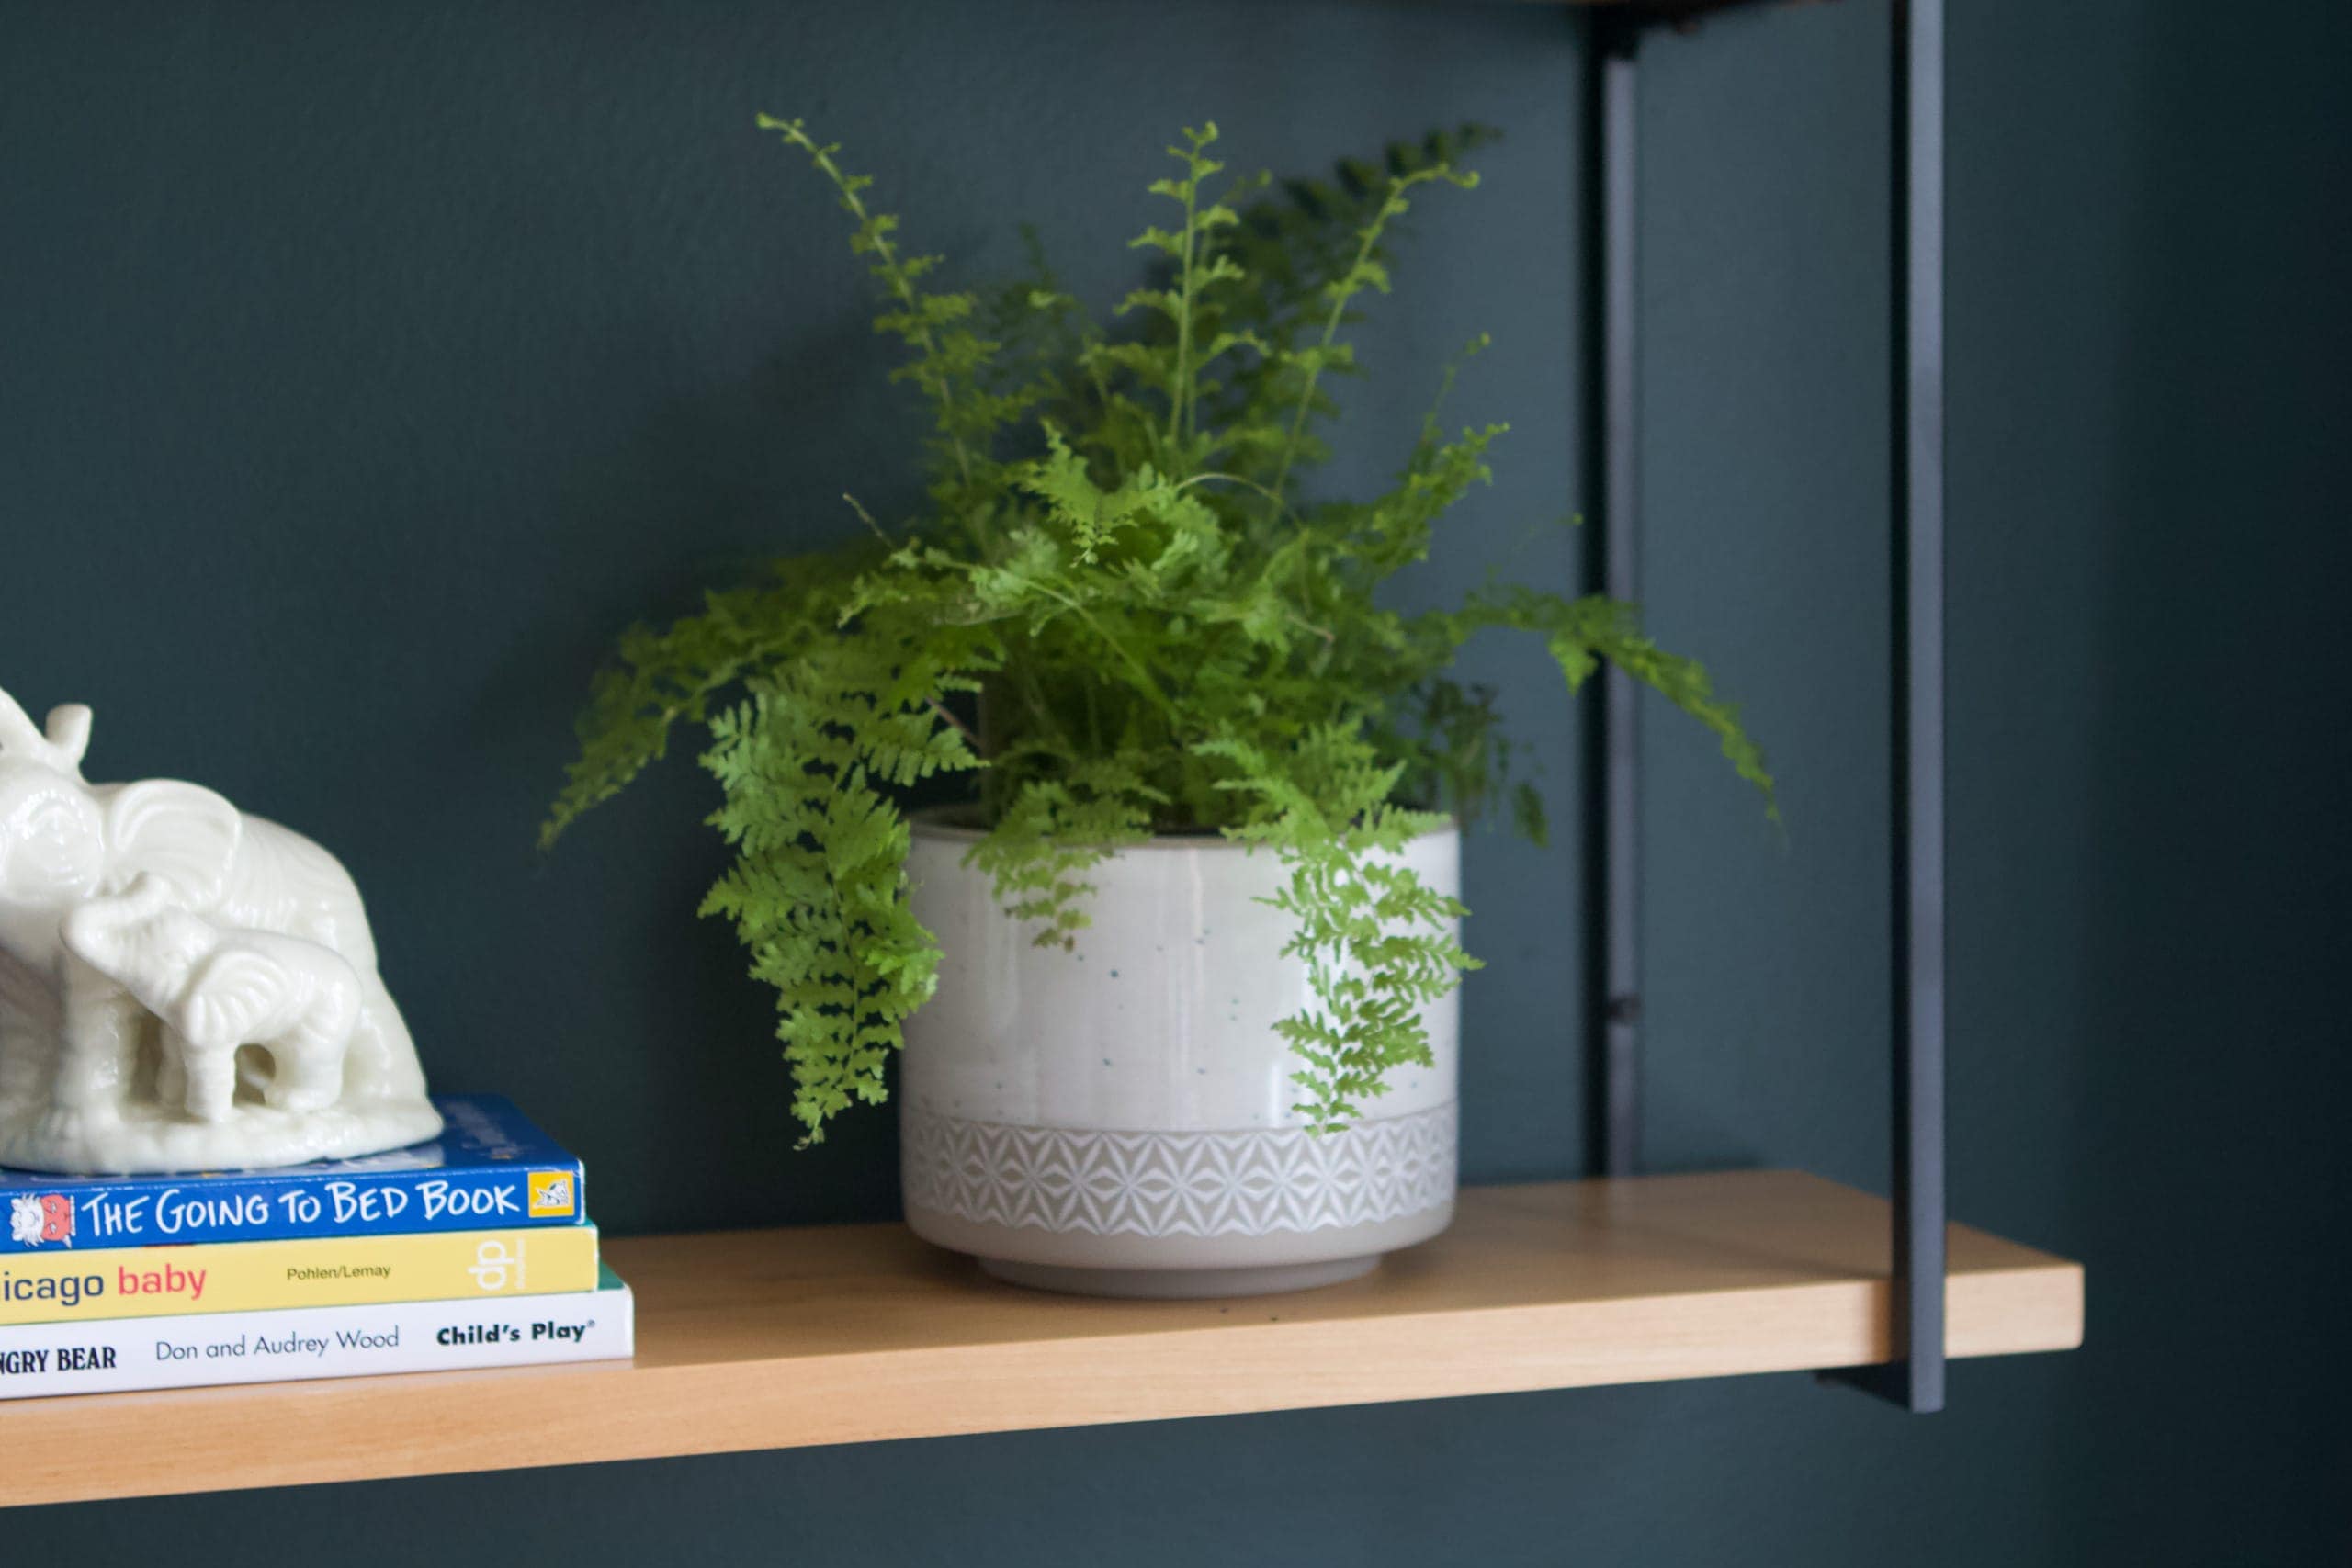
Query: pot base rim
x=1181 y=1284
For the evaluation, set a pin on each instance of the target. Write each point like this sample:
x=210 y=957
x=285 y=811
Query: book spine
x=322 y=1342
x=260 y=1276
x=204 y=1210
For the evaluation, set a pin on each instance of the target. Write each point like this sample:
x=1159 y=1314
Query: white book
x=291 y=1344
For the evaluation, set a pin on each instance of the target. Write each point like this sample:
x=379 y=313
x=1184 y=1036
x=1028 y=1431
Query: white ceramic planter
x=1116 y=1119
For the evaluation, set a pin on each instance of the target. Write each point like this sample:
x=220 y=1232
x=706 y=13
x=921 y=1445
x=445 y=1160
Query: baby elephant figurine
x=217 y=988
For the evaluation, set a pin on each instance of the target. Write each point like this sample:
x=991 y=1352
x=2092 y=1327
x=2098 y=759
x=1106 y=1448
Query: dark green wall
x=364 y=367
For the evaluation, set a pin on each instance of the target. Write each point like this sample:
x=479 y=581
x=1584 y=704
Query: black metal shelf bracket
x=1914 y=1378
x=1618 y=570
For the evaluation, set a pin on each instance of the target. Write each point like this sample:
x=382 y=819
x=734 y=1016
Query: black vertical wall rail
x=1619 y=572
x=1918 y=395
x=1914 y=1378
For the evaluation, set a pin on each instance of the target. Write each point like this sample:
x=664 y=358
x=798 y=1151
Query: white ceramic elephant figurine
x=81 y=1055
x=218 y=990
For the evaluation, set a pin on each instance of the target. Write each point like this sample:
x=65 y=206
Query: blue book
x=490 y=1169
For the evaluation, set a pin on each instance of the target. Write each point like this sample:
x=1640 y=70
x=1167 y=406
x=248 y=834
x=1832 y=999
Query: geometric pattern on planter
x=1256 y=1182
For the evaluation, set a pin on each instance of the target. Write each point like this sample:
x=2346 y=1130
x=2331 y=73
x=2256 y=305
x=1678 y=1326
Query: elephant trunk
x=142 y=941
x=103 y=933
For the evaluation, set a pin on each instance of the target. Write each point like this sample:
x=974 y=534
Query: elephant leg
x=211 y=1078
x=171 y=1071
x=29 y=1031
x=383 y=1063
x=99 y=1037
x=256 y=1074
x=310 y=1070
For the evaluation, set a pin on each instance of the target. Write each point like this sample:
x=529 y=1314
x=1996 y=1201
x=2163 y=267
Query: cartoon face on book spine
x=183 y=986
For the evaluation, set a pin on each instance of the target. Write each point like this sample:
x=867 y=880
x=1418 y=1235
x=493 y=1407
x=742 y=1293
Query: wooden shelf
x=764 y=1340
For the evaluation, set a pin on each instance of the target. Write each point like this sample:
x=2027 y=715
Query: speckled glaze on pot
x=1116 y=1119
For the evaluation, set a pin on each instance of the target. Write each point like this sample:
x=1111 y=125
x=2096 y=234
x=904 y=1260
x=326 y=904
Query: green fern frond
x=1124 y=610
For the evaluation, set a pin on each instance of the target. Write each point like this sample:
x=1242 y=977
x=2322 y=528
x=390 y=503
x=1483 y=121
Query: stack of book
x=474 y=1251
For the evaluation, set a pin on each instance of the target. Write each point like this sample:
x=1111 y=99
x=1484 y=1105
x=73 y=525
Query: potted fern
x=1175 y=978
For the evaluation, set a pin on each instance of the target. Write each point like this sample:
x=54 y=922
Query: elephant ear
x=227 y=997
x=183 y=833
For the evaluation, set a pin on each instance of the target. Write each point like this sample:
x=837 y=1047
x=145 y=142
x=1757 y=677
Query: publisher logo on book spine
x=553 y=1196
x=39 y=1221
x=497 y=1268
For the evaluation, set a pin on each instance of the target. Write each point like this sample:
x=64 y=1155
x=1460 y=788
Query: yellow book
x=256 y=1276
